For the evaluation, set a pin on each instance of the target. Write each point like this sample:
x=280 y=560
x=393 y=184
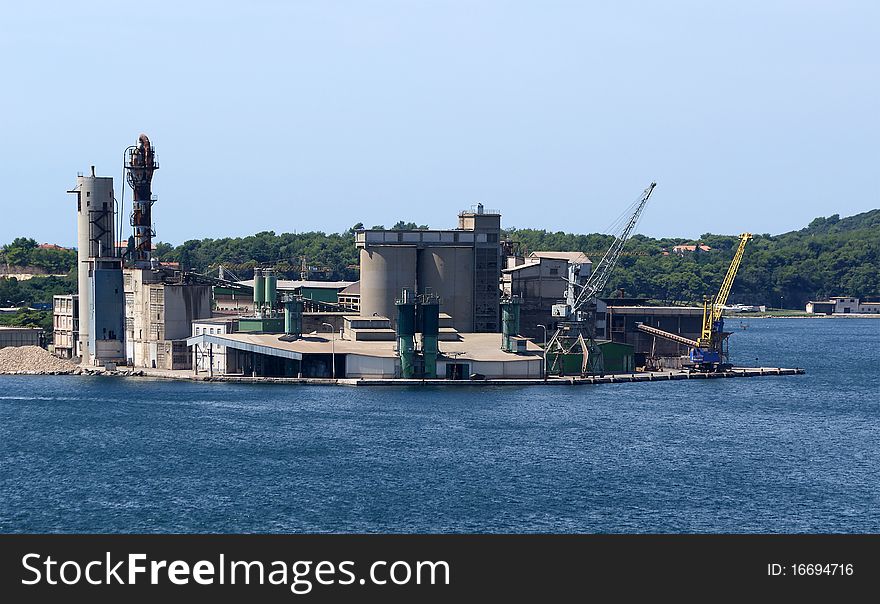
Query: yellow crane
x=706 y=352
x=709 y=343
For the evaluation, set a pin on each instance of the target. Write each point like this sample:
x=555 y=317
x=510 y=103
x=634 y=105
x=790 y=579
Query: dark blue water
x=780 y=454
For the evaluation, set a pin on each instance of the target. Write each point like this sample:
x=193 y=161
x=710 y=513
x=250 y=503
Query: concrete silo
x=95 y=212
x=449 y=273
x=385 y=271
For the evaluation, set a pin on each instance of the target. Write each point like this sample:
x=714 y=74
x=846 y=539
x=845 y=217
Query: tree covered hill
x=830 y=256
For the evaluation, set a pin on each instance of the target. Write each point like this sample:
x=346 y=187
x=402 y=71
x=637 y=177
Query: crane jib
x=599 y=278
x=712 y=311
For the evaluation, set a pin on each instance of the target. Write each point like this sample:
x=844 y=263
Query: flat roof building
x=271 y=355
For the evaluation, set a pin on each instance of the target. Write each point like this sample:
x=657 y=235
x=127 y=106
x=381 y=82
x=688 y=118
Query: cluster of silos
x=265 y=292
x=385 y=272
x=447 y=271
x=99 y=272
x=417 y=314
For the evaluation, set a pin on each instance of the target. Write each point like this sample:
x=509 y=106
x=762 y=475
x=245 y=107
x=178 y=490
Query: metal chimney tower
x=140 y=165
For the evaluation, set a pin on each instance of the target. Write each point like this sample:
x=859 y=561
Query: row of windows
x=208 y=331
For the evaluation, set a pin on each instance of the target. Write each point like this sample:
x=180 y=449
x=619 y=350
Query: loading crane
x=575 y=331
x=707 y=351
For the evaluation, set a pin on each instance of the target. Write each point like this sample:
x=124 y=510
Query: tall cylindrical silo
x=96 y=214
x=385 y=271
x=430 y=324
x=259 y=289
x=449 y=273
x=271 y=288
x=406 y=330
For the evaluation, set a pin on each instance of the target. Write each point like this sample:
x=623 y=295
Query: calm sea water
x=781 y=454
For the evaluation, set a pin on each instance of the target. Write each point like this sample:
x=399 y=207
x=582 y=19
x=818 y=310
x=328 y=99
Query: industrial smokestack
x=140 y=165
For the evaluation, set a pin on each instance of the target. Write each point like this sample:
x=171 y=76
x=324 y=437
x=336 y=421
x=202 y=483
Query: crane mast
x=574 y=334
x=713 y=310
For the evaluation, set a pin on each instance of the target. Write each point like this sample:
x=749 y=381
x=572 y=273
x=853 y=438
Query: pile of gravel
x=32 y=359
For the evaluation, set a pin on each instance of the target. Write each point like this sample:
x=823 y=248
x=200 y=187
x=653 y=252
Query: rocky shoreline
x=33 y=360
x=77 y=371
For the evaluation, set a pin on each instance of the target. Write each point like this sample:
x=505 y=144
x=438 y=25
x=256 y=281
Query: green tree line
x=24 y=253
x=831 y=256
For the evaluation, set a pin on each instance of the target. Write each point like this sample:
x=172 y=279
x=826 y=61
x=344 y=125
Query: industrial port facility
x=431 y=304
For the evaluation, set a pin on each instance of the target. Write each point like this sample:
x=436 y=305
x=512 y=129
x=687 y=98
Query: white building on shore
x=843 y=305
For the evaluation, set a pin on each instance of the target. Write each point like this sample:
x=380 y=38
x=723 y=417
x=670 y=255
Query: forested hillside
x=831 y=256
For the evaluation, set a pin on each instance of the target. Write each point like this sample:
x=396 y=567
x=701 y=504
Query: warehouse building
x=843 y=305
x=617 y=320
x=358 y=356
x=20 y=336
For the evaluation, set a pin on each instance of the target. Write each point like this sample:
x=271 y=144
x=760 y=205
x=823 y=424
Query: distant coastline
x=793 y=314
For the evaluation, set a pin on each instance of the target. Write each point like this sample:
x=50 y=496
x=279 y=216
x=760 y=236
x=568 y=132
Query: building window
x=554 y=271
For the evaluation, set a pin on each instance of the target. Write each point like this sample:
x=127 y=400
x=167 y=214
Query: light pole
x=544 y=361
x=332 y=348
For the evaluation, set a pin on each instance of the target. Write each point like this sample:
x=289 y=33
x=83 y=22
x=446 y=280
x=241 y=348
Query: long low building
x=274 y=355
x=314 y=292
x=618 y=321
x=20 y=336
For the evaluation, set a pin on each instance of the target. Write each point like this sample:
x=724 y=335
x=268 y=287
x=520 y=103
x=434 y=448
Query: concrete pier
x=618 y=378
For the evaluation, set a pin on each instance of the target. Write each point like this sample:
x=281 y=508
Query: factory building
x=159 y=312
x=617 y=320
x=540 y=281
x=462 y=266
x=65 y=326
x=130 y=308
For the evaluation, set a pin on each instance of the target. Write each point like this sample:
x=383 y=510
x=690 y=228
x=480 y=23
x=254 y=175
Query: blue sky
x=295 y=116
